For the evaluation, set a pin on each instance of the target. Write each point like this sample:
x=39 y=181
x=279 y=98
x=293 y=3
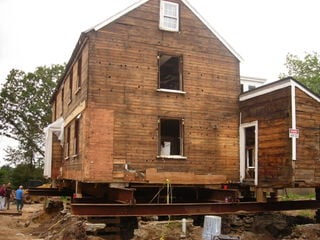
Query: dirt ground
x=34 y=223
x=21 y=226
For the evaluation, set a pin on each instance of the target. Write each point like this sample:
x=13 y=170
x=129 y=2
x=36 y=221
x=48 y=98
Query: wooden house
x=279 y=136
x=148 y=96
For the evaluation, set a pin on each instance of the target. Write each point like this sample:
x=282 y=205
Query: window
x=250 y=87
x=169 y=16
x=170 y=137
x=67 y=145
x=76 y=136
x=79 y=80
x=170 y=76
x=62 y=100
x=70 y=84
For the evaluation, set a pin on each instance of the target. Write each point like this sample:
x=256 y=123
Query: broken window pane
x=170 y=137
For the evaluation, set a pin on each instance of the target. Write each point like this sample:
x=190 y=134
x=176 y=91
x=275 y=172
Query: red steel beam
x=122 y=210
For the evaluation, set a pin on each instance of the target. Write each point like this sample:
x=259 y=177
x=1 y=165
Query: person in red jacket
x=2 y=196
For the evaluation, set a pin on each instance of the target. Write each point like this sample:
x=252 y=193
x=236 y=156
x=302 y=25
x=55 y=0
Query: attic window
x=170 y=76
x=169 y=16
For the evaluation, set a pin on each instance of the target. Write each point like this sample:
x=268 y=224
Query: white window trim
x=170 y=91
x=242 y=150
x=162 y=25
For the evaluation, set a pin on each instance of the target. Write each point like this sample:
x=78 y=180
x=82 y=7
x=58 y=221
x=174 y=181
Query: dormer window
x=169 y=16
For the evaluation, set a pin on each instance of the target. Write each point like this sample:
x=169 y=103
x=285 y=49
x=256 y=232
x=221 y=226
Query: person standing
x=19 y=198
x=7 y=196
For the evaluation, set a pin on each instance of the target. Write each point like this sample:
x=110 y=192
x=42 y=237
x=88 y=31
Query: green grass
x=294 y=197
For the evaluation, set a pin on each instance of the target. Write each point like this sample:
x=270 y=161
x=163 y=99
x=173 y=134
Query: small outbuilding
x=280 y=136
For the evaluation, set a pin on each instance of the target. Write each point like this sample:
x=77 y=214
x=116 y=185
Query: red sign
x=293 y=133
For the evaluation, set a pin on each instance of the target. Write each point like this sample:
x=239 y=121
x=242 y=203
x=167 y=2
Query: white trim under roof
x=140 y=2
x=287 y=82
x=252 y=79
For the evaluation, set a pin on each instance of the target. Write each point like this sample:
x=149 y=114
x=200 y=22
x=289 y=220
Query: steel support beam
x=122 y=210
x=48 y=192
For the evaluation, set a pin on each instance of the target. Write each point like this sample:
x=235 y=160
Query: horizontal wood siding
x=72 y=166
x=307 y=166
x=273 y=111
x=123 y=73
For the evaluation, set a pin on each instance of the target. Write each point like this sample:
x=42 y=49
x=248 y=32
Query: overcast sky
x=44 y=32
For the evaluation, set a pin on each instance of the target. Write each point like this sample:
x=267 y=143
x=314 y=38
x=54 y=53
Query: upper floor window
x=169 y=16
x=79 y=71
x=170 y=72
x=70 y=84
x=62 y=100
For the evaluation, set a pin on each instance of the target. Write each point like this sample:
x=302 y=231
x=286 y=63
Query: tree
x=306 y=70
x=22 y=173
x=5 y=174
x=25 y=111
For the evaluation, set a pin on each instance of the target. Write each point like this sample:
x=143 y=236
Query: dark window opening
x=67 y=145
x=250 y=87
x=79 y=80
x=170 y=137
x=70 y=85
x=170 y=72
x=62 y=100
x=76 y=136
x=250 y=152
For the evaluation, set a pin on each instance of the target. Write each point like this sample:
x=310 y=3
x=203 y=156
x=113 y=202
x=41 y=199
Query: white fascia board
x=252 y=80
x=276 y=86
x=213 y=30
x=264 y=90
x=306 y=91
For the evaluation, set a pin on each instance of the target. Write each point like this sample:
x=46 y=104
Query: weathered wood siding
x=273 y=112
x=123 y=75
x=72 y=164
x=307 y=166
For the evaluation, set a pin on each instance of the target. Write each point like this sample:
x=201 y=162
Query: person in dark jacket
x=7 y=196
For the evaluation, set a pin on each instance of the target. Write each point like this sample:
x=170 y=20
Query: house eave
x=282 y=83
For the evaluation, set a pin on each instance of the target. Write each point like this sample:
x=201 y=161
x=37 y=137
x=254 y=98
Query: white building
x=248 y=83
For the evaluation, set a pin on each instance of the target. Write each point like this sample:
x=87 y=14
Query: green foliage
x=25 y=111
x=24 y=173
x=5 y=174
x=306 y=70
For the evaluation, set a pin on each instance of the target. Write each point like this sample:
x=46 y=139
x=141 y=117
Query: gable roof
x=194 y=11
x=138 y=3
x=282 y=83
